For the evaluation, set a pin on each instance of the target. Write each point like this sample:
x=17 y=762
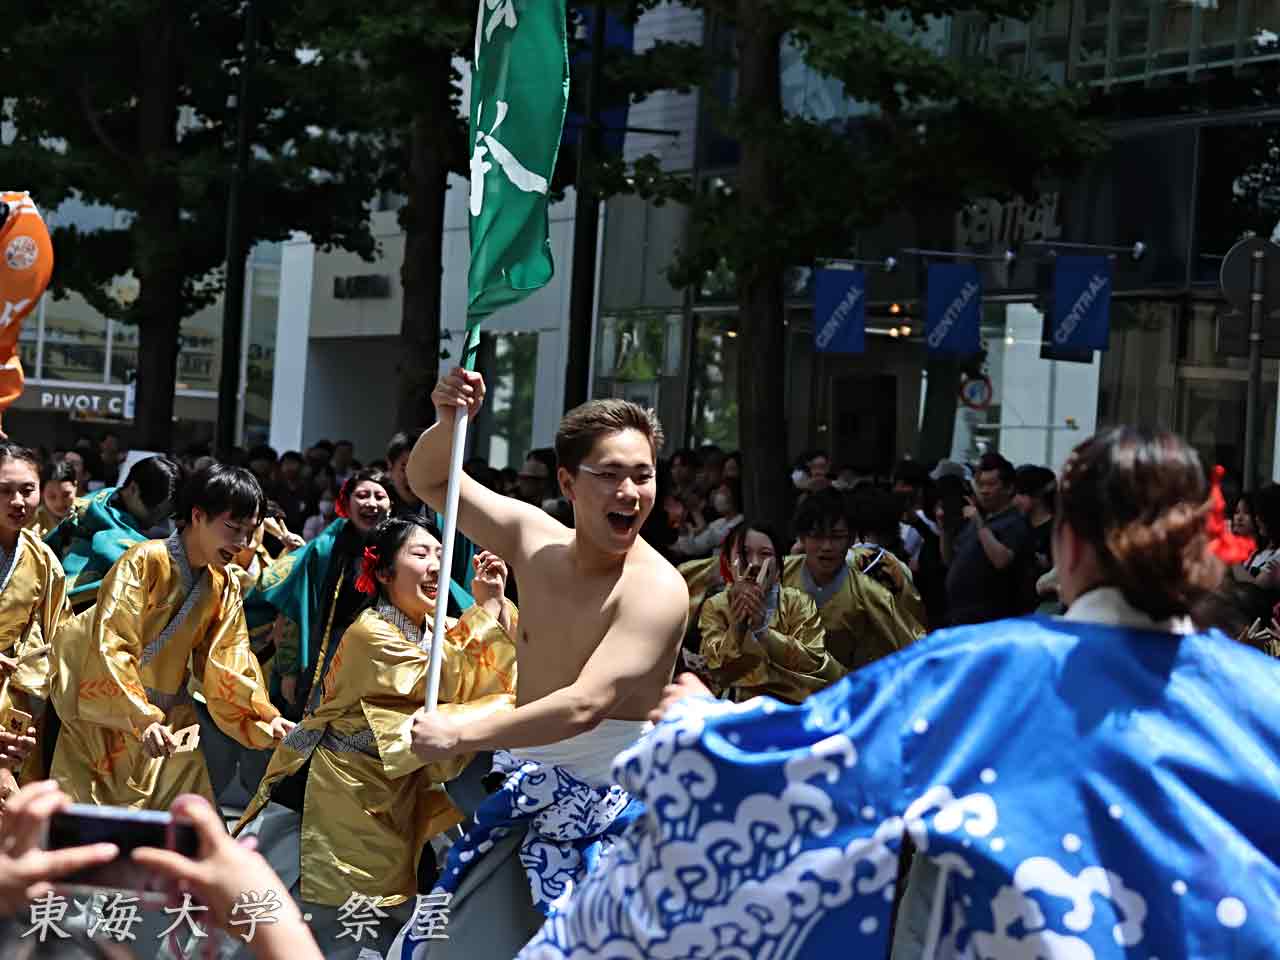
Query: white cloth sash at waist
x=589 y=756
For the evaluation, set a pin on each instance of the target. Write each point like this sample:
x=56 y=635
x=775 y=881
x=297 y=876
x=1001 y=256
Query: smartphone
x=81 y=824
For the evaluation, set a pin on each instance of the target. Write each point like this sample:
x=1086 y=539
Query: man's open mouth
x=623 y=523
x=227 y=555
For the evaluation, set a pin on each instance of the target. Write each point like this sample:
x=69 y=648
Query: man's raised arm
x=636 y=654
x=491 y=520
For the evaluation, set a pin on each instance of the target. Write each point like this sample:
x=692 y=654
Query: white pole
x=446 y=560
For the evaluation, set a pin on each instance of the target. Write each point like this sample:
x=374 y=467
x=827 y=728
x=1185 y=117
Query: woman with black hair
x=346 y=777
x=167 y=610
x=758 y=636
x=313 y=589
x=33 y=606
x=57 y=495
x=101 y=527
x=1263 y=568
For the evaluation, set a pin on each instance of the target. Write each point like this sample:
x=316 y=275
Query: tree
x=400 y=61
x=132 y=104
x=398 y=64
x=939 y=131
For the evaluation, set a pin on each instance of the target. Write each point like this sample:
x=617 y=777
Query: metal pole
x=1253 y=402
x=233 y=295
x=586 y=228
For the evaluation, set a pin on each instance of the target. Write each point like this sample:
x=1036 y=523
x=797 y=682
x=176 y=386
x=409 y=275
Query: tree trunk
x=761 y=334
x=423 y=222
x=156 y=236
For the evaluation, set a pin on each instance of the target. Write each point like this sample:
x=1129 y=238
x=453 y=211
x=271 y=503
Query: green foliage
x=936 y=131
x=132 y=104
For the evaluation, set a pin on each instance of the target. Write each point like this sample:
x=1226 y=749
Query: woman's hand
x=489 y=584
x=223 y=873
x=26 y=871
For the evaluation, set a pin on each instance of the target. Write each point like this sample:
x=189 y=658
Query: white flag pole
x=444 y=583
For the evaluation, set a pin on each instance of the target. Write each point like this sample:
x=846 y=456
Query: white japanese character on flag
x=487 y=144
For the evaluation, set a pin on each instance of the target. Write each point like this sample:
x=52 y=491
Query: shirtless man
x=602 y=616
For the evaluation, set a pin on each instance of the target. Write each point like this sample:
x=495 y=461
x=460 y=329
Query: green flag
x=519 y=92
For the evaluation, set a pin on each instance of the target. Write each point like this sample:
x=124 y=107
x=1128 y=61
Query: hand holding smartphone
x=79 y=825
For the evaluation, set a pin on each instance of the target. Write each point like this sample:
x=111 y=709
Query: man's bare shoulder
x=539 y=530
x=655 y=584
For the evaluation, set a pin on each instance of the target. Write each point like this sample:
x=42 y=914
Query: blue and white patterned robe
x=1085 y=791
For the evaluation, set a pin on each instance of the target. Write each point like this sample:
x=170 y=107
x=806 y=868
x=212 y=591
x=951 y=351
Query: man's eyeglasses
x=833 y=536
x=640 y=478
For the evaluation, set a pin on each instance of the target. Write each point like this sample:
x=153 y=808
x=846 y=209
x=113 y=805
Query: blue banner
x=839 y=311
x=1082 y=302
x=955 y=308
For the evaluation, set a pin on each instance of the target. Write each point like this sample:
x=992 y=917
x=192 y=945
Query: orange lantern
x=26 y=264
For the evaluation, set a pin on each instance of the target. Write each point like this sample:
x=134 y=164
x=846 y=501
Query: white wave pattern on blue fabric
x=771 y=832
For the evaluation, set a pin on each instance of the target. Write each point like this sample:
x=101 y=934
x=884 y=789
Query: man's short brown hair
x=582 y=426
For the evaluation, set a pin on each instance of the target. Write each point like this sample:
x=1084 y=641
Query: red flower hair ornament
x=366 y=583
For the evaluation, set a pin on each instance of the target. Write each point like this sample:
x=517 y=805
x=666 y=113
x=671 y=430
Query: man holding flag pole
x=603 y=614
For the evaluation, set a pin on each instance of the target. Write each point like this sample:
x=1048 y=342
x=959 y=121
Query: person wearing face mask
x=326 y=510
x=312 y=592
x=100 y=528
x=166 y=611
x=726 y=500
x=346 y=781
x=757 y=636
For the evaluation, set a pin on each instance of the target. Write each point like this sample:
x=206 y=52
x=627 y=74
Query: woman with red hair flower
x=348 y=781
x=314 y=590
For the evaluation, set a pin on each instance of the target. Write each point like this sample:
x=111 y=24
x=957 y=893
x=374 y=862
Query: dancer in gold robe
x=167 y=611
x=859 y=629
x=759 y=637
x=33 y=604
x=345 y=806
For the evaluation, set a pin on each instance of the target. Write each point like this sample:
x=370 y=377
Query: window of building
x=260 y=362
x=75 y=342
x=504 y=428
x=1040 y=408
x=714 y=381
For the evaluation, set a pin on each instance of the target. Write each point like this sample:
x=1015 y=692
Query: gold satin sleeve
x=477 y=678
x=788 y=660
x=231 y=677
x=731 y=652
x=67 y=663
x=802 y=640
x=110 y=690
x=47 y=619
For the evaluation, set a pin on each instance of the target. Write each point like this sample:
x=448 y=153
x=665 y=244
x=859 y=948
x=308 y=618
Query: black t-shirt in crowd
x=976 y=591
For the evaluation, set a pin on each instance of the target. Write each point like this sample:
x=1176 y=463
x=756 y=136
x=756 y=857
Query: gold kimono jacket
x=369 y=803
x=890 y=588
x=700 y=576
x=861 y=627
x=788 y=659
x=33 y=606
x=128 y=662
